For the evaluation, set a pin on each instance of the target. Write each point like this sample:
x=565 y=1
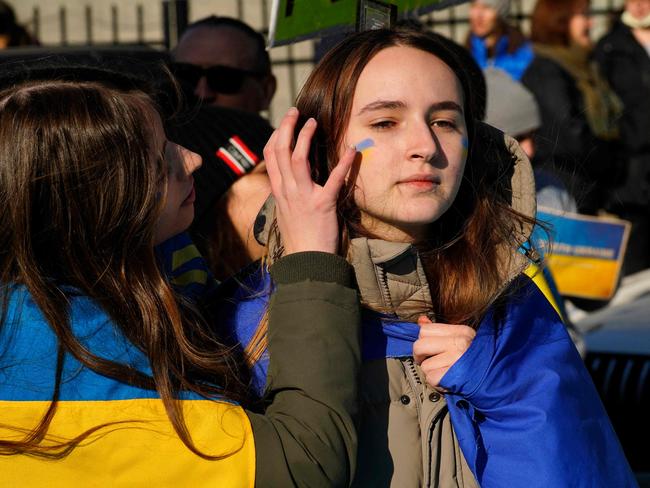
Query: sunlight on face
x=410 y=104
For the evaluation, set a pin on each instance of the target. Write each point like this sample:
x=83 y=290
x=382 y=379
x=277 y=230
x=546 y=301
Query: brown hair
x=549 y=22
x=84 y=183
x=462 y=256
x=472 y=243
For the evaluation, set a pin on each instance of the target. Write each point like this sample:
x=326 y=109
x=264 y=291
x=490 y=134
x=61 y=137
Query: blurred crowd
x=579 y=109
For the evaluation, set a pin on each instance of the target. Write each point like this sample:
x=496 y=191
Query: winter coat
x=626 y=65
x=567 y=140
x=305 y=437
x=514 y=63
x=508 y=417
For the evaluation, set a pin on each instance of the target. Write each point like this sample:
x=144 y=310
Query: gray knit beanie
x=501 y=6
x=511 y=107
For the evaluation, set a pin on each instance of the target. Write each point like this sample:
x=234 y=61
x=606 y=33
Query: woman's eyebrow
x=382 y=104
x=397 y=104
x=446 y=105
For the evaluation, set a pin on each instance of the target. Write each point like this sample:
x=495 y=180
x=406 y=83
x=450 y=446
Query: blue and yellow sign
x=585 y=254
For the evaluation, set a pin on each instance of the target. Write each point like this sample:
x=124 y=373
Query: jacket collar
x=391 y=278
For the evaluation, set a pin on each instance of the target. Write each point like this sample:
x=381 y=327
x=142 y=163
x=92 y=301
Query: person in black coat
x=578 y=137
x=623 y=56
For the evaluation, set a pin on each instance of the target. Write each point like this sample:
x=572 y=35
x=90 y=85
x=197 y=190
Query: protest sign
x=585 y=253
x=294 y=20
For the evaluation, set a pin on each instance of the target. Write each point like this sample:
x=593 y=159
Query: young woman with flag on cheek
x=107 y=377
x=469 y=376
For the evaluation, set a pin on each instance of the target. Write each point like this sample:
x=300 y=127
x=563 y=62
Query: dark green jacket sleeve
x=306 y=436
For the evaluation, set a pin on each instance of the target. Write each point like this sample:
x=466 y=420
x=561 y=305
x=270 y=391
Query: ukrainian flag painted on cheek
x=137 y=445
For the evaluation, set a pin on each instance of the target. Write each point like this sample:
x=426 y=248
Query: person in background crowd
x=494 y=42
x=109 y=375
x=225 y=62
x=469 y=376
x=512 y=108
x=579 y=135
x=11 y=33
x=230 y=142
x=624 y=59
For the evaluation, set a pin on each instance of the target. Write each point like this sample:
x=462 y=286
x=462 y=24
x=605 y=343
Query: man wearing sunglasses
x=224 y=62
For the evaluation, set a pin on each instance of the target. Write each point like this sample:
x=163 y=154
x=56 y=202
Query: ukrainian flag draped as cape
x=522 y=404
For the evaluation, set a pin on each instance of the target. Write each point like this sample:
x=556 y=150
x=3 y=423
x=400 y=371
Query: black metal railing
x=452 y=21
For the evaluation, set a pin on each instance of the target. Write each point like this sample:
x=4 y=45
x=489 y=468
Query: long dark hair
x=471 y=245
x=78 y=165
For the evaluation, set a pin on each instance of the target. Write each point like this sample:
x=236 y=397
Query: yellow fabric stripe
x=183 y=255
x=192 y=276
x=142 y=451
x=535 y=273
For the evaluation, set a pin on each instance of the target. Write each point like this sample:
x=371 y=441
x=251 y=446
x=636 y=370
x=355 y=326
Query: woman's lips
x=423 y=184
x=423 y=181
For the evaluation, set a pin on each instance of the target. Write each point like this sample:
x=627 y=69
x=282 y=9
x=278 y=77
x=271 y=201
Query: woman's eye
x=382 y=124
x=443 y=124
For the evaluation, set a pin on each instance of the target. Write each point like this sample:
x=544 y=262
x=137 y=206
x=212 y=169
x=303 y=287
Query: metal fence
x=150 y=22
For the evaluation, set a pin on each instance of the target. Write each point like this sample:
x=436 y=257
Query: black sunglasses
x=221 y=79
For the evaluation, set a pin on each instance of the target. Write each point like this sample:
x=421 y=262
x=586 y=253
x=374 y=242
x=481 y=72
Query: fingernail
x=310 y=121
x=292 y=111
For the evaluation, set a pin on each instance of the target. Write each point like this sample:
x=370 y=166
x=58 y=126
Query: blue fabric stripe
x=28 y=354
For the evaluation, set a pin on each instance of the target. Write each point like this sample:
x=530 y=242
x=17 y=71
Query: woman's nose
x=191 y=160
x=202 y=90
x=422 y=142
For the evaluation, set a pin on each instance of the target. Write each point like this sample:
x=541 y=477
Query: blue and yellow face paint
x=364 y=147
x=465 y=143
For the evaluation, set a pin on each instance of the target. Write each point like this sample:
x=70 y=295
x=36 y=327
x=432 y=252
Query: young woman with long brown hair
x=469 y=376
x=107 y=376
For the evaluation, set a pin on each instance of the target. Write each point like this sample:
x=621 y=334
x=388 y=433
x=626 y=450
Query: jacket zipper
x=415 y=383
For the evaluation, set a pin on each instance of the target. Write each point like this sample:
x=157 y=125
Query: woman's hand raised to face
x=306 y=211
x=439 y=346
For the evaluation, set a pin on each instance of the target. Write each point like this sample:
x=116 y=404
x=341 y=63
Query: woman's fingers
x=439 y=346
x=272 y=164
x=433 y=370
x=338 y=175
x=436 y=329
x=306 y=212
x=283 y=148
x=426 y=347
x=300 y=157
